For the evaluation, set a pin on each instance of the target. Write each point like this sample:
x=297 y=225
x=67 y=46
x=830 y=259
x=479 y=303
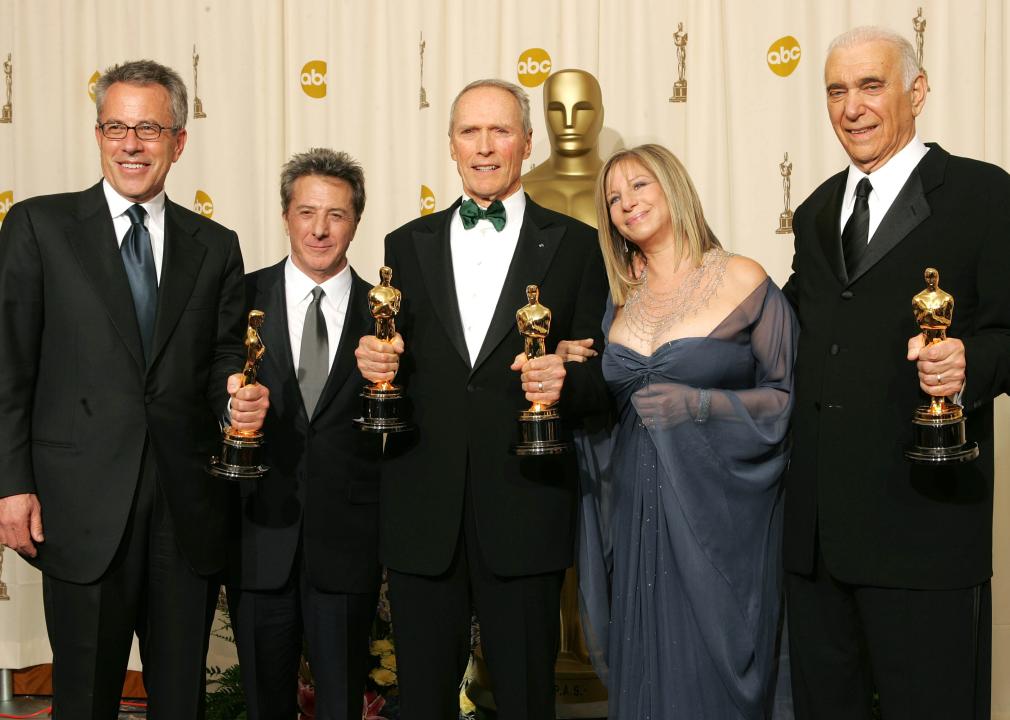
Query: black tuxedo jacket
x=883 y=521
x=77 y=402
x=323 y=485
x=466 y=416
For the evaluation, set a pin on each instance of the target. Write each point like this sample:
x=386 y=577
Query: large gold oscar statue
x=565 y=182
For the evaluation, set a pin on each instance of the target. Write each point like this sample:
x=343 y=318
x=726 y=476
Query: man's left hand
x=249 y=403
x=542 y=377
x=941 y=365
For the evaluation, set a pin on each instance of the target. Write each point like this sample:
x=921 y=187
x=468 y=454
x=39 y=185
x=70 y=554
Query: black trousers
x=148 y=588
x=928 y=653
x=519 y=624
x=269 y=628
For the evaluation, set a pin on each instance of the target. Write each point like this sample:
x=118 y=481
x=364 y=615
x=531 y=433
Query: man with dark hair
x=464 y=523
x=307 y=562
x=121 y=330
x=889 y=562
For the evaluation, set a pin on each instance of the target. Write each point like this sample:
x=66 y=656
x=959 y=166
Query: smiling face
x=870 y=110
x=488 y=143
x=638 y=207
x=137 y=169
x=321 y=223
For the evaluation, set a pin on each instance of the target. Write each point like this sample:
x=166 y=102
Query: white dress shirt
x=155 y=221
x=480 y=261
x=298 y=295
x=887 y=182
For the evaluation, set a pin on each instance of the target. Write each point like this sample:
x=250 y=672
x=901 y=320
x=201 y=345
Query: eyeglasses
x=143 y=131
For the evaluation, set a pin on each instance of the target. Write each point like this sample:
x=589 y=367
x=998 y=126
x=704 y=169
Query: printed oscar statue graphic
x=241 y=449
x=383 y=403
x=539 y=425
x=919 y=25
x=680 y=86
x=7 y=112
x=938 y=432
x=786 y=216
x=423 y=99
x=198 y=111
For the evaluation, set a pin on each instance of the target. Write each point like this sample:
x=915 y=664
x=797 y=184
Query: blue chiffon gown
x=685 y=519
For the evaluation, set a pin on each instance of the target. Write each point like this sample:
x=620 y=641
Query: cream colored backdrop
x=264 y=102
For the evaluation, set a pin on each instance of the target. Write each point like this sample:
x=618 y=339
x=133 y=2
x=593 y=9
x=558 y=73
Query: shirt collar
x=118 y=205
x=515 y=205
x=298 y=285
x=887 y=180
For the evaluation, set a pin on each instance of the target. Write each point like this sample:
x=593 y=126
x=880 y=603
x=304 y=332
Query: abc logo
x=203 y=204
x=533 y=67
x=6 y=200
x=784 y=55
x=314 y=78
x=427 y=200
x=92 y=81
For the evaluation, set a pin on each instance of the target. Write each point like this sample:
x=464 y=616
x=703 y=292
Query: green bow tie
x=470 y=212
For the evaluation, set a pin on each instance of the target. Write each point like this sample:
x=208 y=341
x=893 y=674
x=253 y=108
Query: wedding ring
x=939 y=379
x=542 y=387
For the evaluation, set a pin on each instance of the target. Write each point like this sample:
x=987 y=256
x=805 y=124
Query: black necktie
x=138 y=259
x=857 y=229
x=313 y=358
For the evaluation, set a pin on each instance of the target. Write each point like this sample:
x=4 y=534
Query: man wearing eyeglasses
x=121 y=329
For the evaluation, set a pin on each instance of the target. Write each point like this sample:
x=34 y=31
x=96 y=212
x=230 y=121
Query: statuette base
x=939 y=439
x=7 y=114
x=679 y=92
x=785 y=223
x=239 y=458
x=540 y=433
x=383 y=409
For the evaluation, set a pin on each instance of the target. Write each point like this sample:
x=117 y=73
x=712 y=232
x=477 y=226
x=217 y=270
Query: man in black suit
x=889 y=562
x=307 y=560
x=120 y=323
x=464 y=523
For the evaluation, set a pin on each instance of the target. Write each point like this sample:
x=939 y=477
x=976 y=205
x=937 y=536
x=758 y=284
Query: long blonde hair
x=691 y=232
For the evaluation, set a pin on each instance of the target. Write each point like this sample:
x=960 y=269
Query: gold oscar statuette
x=680 y=86
x=786 y=216
x=3 y=585
x=539 y=425
x=197 y=102
x=7 y=112
x=383 y=404
x=240 y=449
x=919 y=25
x=423 y=94
x=938 y=433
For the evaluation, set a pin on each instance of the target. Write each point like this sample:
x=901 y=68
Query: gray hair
x=872 y=33
x=146 y=72
x=522 y=99
x=324 y=163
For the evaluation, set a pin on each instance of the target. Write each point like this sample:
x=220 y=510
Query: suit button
x=847 y=294
x=470 y=388
x=817 y=405
x=834 y=349
x=149 y=398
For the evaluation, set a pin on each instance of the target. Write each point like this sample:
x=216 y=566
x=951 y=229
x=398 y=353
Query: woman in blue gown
x=686 y=522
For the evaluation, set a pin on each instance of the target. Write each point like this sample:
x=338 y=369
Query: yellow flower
x=388 y=662
x=466 y=706
x=383 y=677
x=381 y=647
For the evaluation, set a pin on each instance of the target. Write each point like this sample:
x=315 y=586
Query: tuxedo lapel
x=907 y=211
x=94 y=242
x=827 y=229
x=181 y=261
x=277 y=361
x=357 y=322
x=538 y=241
x=434 y=256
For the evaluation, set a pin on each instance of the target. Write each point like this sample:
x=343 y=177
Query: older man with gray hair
x=889 y=562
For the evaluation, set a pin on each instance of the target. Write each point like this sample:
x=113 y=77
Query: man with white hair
x=889 y=562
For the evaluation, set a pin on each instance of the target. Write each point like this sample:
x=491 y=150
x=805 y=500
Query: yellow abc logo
x=92 y=81
x=314 y=78
x=203 y=204
x=533 y=66
x=6 y=200
x=427 y=200
x=784 y=55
